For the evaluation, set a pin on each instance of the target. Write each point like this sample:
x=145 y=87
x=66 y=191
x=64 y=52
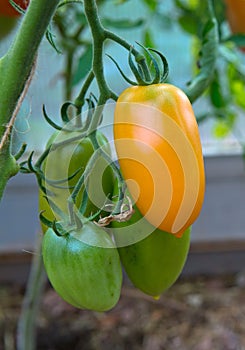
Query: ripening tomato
x=236 y=16
x=153 y=259
x=7 y=10
x=160 y=155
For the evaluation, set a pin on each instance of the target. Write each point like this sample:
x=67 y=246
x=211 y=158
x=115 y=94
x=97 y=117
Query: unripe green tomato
x=65 y=161
x=83 y=267
x=155 y=259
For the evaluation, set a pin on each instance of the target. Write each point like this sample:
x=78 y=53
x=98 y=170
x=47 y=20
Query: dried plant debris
x=195 y=314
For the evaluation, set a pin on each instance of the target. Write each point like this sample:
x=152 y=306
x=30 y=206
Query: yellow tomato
x=160 y=155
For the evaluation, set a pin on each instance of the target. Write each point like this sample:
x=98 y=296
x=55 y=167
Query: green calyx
x=153 y=72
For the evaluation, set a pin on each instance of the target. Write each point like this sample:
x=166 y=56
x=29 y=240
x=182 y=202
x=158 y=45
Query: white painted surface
x=222 y=217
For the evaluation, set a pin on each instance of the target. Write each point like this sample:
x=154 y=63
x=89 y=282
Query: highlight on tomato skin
x=159 y=151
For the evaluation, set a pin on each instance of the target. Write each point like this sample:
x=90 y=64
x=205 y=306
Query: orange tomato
x=7 y=10
x=160 y=155
x=235 y=10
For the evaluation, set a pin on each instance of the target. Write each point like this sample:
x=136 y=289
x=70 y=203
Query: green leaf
x=217 y=97
x=182 y=5
x=207 y=62
x=231 y=56
x=220 y=129
x=189 y=23
x=238 y=39
x=122 y=23
x=194 y=3
x=148 y=39
x=239 y=92
x=224 y=126
x=236 y=84
x=151 y=4
x=80 y=18
x=84 y=65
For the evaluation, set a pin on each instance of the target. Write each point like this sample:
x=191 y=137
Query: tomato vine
x=14 y=77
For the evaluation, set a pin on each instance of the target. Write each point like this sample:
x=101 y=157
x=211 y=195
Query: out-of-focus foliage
x=225 y=96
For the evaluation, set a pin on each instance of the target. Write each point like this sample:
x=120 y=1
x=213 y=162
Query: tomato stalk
x=15 y=69
x=80 y=100
x=26 y=331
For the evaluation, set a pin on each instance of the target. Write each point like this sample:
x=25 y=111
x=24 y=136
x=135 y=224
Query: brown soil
x=195 y=314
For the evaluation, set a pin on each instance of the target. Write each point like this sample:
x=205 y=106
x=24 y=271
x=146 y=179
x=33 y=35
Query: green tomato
x=153 y=259
x=83 y=267
x=65 y=161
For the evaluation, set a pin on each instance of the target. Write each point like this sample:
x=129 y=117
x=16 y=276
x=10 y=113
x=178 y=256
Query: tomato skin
x=155 y=262
x=235 y=10
x=7 y=10
x=83 y=267
x=158 y=147
x=64 y=162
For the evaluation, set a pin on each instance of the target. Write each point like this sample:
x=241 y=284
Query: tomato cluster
x=159 y=153
x=69 y=162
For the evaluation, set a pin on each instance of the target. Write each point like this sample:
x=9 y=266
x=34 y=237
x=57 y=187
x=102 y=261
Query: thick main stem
x=98 y=35
x=16 y=65
x=15 y=68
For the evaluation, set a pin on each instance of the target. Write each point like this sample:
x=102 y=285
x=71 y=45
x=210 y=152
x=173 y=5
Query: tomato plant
x=69 y=161
x=160 y=155
x=153 y=259
x=84 y=267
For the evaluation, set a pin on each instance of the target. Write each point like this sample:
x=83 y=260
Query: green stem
x=120 y=181
x=140 y=59
x=98 y=36
x=16 y=65
x=68 y=75
x=30 y=307
x=79 y=101
x=15 y=69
